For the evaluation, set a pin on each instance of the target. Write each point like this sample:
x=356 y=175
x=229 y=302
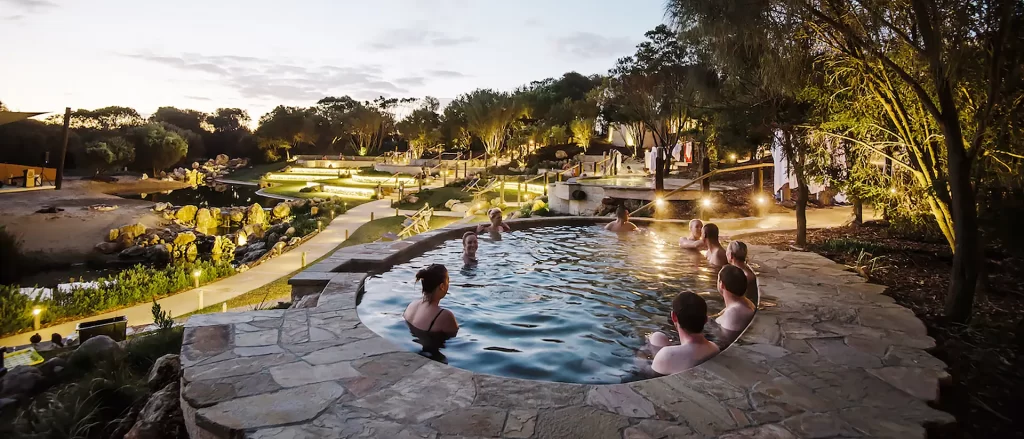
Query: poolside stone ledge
x=827 y=355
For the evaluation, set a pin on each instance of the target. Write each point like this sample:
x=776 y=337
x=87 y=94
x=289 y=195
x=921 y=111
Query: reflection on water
x=217 y=195
x=570 y=304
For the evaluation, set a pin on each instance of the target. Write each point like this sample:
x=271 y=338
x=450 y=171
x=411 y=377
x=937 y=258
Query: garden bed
x=984 y=357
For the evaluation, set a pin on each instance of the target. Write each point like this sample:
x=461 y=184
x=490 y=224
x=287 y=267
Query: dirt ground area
x=986 y=357
x=69 y=235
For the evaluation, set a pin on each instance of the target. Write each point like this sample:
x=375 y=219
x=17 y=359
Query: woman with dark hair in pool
x=469 y=246
x=428 y=322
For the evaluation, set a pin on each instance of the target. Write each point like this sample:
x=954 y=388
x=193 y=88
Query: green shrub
x=852 y=246
x=135 y=285
x=96 y=403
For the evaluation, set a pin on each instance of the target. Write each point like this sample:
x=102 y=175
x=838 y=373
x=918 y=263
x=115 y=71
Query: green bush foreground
x=133 y=286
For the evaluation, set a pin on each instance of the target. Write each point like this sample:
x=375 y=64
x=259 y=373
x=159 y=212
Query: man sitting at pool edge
x=732 y=283
x=621 y=223
x=695 y=241
x=689 y=314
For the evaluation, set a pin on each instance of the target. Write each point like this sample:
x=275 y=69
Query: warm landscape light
x=197 y=273
x=892 y=190
x=706 y=202
x=732 y=157
x=659 y=201
x=36 y=311
x=761 y=200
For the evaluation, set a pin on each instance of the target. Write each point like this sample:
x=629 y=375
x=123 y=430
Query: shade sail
x=14 y=116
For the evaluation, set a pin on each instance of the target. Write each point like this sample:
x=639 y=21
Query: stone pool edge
x=827 y=355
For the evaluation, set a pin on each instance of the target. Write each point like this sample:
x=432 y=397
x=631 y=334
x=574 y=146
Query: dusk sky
x=256 y=54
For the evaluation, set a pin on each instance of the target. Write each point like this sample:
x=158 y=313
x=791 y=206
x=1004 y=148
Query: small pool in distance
x=563 y=303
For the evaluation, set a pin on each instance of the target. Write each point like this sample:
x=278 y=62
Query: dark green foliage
x=161 y=318
x=853 y=246
x=95 y=403
x=130 y=287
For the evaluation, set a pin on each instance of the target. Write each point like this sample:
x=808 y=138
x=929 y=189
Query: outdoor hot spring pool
x=563 y=303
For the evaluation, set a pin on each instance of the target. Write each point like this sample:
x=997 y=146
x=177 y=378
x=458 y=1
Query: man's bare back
x=737 y=315
x=675 y=359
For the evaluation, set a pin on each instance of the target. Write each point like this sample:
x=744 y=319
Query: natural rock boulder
x=561 y=155
x=294 y=241
x=95 y=350
x=206 y=222
x=237 y=216
x=158 y=254
x=255 y=215
x=184 y=238
x=460 y=207
x=187 y=214
x=108 y=247
x=22 y=382
x=165 y=370
x=132 y=252
x=160 y=207
x=161 y=417
x=131 y=231
x=112 y=235
x=221 y=160
x=281 y=211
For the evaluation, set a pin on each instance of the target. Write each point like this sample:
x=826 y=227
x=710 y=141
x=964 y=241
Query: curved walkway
x=219 y=291
x=827 y=355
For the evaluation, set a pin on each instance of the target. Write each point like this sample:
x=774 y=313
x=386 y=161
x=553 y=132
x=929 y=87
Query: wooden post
x=396 y=211
x=346 y=234
x=519 y=192
x=223 y=307
x=501 y=194
x=760 y=181
x=546 y=183
x=64 y=148
x=303 y=260
x=371 y=215
x=465 y=169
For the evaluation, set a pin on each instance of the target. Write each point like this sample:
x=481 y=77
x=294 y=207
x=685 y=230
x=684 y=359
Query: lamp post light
x=195 y=276
x=35 y=317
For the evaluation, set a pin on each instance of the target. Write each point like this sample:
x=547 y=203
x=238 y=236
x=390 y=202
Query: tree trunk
x=858 y=211
x=801 y=214
x=966 y=255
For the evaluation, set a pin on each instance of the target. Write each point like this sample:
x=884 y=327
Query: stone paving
x=826 y=356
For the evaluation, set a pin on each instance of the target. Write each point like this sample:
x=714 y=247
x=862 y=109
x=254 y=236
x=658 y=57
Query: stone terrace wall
x=826 y=356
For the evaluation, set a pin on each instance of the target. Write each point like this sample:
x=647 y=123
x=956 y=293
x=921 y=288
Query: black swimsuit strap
x=435 y=319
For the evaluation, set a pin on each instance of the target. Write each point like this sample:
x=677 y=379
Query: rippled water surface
x=566 y=303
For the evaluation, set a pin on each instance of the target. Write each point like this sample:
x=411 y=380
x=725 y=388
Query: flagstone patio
x=827 y=355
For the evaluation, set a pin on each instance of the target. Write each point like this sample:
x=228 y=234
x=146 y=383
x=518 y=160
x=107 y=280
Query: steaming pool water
x=561 y=303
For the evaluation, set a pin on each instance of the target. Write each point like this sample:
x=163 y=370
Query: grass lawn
x=437 y=197
x=256 y=171
x=292 y=190
x=277 y=291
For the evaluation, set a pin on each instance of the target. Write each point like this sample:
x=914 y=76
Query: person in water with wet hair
x=621 y=223
x=470 y=242
x=732 y=284
x=426 y=315
x=689 y=314
x=736 y=253
x=695 y=241
x=716 y=254
x=496 y=225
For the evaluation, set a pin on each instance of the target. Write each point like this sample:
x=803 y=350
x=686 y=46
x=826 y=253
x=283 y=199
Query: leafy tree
x=104 y=119
x=282 y=129
x=422 y=127
x=489 y=115
x=367 y=125
x=229 y=119
x=191 y=125
x=3 y=107
x=157 y=148
x=196 y=146
x=582 y=132
x=109 y=153
x=454 y=127
x=331 y=119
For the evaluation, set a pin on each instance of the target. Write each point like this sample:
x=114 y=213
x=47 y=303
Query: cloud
x=16 y=17
x=417 y=38
x=590 y=45
x=411 y=81
x=445 y=74
x=532 y=22
x=30 y=5
x=198 y=98
x=260 y=78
